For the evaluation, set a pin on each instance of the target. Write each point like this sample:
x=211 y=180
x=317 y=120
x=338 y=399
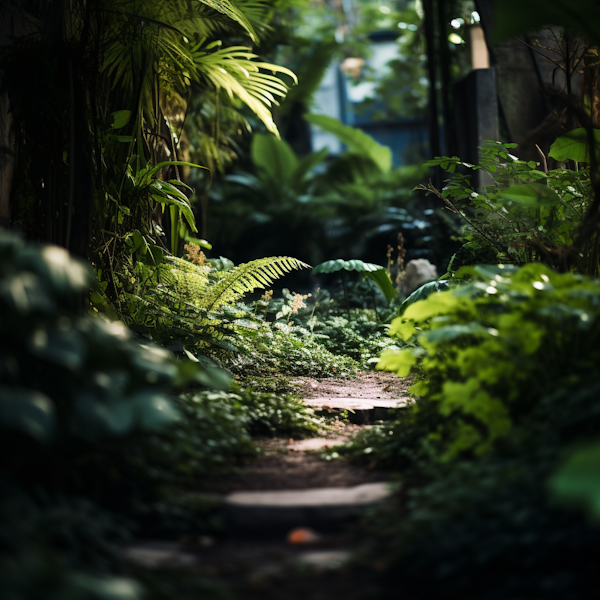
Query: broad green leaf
x=438 y=304
x=154 y=364
x=154 y=410
x=532 y=195
x=358 y=141
x=398 y=361
x=384 y=283
x=168 y=199
x=485 y=272
x=25 y=294
x=274 y=157
x=155 y=255
x=57 y=268
x=424 y=292
x=333 y=266
x=307 y=163
x=575 y=146
x=120 y=118
x=101 y=414
x=64 y=348
x=452 y=332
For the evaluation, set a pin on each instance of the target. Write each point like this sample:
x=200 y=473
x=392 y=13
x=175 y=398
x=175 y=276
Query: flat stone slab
x=316 y=444
x=367 y=493
x=153 y=555
x=353 y=403
x=324 y=559
x=361 y=410
x=276 y=512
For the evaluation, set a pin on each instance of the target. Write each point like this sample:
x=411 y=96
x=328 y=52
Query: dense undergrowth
x=97 y=420
x=501 y=444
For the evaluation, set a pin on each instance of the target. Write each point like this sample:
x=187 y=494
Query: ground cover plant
x=80 y=444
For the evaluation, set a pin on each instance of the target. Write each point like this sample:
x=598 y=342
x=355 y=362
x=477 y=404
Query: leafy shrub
x=507 y=386
x=524 y=214
x=73 y=392
x=493 y=348
x=274 y=414
x=289 y=349
x=68 y=379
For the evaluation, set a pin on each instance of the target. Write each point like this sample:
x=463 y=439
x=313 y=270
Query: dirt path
x=267 y=561
x=289 y=464
x=370 y=385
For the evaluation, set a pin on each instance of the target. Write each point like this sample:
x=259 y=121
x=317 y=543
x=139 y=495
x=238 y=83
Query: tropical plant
x=525 y=214
x=105 y=104
x=501 y=441
x=190 y=305
x=358 y=142
x=319 y=205
x=370 y=271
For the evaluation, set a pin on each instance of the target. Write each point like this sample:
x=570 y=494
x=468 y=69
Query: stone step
x=276 y=512
x=360 y=410
x=313 y=444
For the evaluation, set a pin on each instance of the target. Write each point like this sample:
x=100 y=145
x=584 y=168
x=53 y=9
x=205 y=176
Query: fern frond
x=246 y=278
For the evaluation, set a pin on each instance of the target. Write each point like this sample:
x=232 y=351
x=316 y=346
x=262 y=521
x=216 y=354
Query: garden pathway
x=294 y=506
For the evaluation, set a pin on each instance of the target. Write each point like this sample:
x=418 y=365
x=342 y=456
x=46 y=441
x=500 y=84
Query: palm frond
x=235 y=71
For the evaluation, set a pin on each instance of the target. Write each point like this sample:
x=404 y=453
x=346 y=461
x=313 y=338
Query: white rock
x=417 y=272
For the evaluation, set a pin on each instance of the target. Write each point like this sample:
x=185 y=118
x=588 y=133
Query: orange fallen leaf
x=302 y=535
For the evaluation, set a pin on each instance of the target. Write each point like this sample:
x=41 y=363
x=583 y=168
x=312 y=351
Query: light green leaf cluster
x=209 y=289
x=481 y=349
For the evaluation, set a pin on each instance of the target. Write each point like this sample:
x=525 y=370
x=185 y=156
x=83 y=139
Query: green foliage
x=246 y=278
x=216 y=430
x=357 y=141
x=191 y=307
x=79 y=398
x=496 y=447
x=525 y=214
x=424 y=292
x=279 y=415
x=577 y=480
x=286 y=348
x=333 y=266
x=574 y=146
x=375 y=273
x=361 y=338
x=65 y=376
x=318 y=206
x=486 y=343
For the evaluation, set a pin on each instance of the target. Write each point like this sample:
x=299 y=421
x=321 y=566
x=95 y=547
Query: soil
x=370 y=385
x=278 y=468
